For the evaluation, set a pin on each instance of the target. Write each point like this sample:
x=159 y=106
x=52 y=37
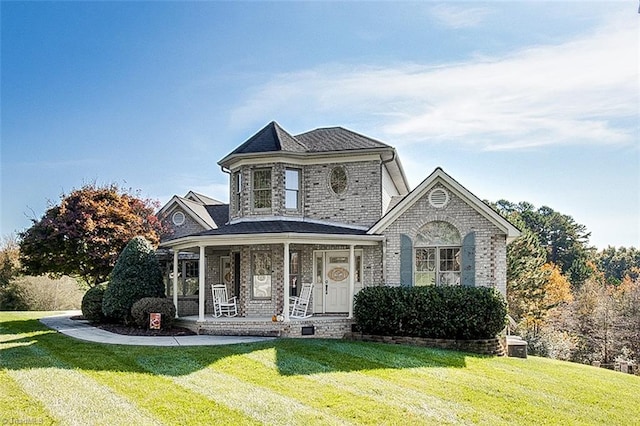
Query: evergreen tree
x=136 y=275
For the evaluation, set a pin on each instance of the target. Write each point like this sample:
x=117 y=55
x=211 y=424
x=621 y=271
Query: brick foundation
x=327 y=328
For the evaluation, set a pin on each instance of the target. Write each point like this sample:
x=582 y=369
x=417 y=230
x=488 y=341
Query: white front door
x=336 y=281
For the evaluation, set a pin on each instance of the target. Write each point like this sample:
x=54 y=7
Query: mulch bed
x=135 y=331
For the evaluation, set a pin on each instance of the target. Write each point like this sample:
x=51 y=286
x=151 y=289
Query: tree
x=136 y=275
x=85 y=233
x=565 y=242
x=10 y=295
x=526 y=278
x=9 y=260
x=618 y=263
x=629 y=297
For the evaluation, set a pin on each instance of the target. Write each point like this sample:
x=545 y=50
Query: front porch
x=332 y=327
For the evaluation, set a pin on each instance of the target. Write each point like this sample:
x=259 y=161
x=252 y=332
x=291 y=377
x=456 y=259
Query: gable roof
x=209 y=216
x=202 y=199
x=439 y=176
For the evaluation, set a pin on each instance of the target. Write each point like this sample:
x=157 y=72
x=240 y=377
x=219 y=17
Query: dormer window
x=292 y=189
x=262 y=189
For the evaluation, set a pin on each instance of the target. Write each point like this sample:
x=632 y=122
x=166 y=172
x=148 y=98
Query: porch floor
x=326 y=326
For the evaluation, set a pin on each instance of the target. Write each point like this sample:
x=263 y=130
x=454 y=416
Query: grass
x=48 y=378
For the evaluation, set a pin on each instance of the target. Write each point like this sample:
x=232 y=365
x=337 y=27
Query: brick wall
x=360 y=204
x=490 y=253
x=189 y=226
x=483 y=347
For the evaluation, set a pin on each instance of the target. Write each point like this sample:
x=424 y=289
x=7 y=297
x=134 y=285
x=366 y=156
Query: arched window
x=437 y=254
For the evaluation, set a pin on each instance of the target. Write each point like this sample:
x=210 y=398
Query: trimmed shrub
x=92 y=303
x=142 y=308
x=136 y=275
x=463 y=313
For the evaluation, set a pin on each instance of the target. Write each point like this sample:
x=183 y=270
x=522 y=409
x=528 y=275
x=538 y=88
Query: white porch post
x=175 y=280
x=286 y=282
x=201 y=276
x=352 y=277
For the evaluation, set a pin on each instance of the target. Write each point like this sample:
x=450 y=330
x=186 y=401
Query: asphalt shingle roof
x=337 y=139
x=273 y=138
x=281 y=226
x=219 y=213
x=270 y=138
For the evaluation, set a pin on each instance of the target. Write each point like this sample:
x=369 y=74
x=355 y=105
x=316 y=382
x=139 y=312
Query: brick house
x=329 y=207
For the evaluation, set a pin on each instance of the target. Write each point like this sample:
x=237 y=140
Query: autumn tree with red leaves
x=84 y=235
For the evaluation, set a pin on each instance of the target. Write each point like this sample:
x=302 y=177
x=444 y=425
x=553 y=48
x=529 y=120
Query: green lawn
x=48 y=378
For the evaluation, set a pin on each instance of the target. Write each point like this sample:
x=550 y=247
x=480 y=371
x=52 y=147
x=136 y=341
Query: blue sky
x=526 y=101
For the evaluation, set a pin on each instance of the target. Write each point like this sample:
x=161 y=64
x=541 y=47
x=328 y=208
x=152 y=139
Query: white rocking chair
x=299 y=305
x=222 y=305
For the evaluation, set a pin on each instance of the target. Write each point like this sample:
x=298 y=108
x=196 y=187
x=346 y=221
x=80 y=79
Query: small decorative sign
x=154 y=320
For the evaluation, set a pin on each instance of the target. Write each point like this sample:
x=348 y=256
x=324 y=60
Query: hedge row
x=465 y=313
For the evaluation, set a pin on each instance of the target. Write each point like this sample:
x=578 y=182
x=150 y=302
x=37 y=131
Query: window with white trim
x=237 y=183
x=262 y=189
x=292 y=189
x=437 y=252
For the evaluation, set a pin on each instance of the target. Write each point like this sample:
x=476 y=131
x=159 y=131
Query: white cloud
x=458 y=17
x=582 y=91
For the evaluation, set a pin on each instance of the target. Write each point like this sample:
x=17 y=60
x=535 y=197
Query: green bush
x=92 y=303
x=142 y=308
x=136 y=275
x=464 y=313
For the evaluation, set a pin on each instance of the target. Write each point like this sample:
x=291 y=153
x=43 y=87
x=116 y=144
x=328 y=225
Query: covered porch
x=263 y=271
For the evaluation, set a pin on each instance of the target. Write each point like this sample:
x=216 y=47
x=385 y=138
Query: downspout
x=384 y=242
x=382 y=163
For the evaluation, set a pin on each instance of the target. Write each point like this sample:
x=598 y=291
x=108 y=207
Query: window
x=188 y=278
x=338 y=180
x=237 y=182
x=261 y=275
x=292 y=189
x=437 y=255
x=262 y=189
x=294 y=272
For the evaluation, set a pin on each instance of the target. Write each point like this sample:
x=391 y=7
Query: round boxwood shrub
x=136 y=275
x=142 y=308
x=92 y=303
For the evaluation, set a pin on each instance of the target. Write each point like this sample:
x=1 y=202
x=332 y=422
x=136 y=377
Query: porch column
x=175 y=280
x=201 y=275
x=352 y=277
x=286 y=283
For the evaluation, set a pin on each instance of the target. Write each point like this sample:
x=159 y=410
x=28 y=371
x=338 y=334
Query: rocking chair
x=300 y=305
x=222 y=304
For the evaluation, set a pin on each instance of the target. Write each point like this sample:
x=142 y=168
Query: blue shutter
x=468 y=272
x=406 y=260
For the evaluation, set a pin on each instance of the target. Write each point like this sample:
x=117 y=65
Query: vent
x=438 y=198
x=178 y=218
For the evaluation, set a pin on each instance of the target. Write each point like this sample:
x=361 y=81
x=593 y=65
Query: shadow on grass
x=28 y=344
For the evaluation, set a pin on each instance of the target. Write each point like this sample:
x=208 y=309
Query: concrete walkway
x=81 y=329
